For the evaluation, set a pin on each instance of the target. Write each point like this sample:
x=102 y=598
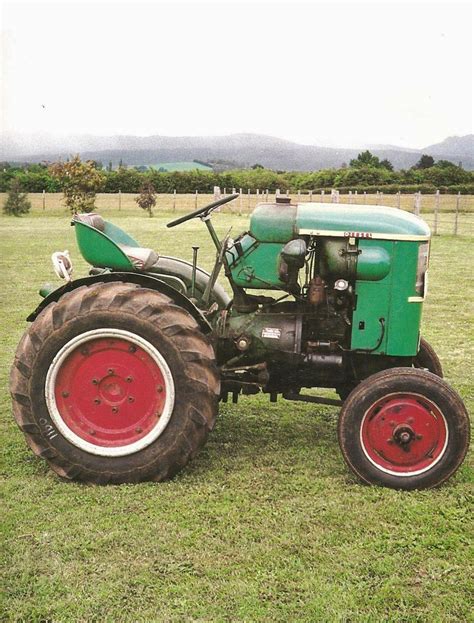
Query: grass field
x=180 y=166
x=266 y=524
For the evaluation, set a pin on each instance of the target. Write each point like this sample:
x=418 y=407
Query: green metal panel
x=358 y=219
x=389 y=299
x=258 y=268
x=373 y=303
x=100 y=250
x=373 y=263
x=273 y=222
x=405 y=315
x=281 y=222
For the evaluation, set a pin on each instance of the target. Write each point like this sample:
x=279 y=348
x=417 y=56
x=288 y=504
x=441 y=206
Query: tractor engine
x=350 y=286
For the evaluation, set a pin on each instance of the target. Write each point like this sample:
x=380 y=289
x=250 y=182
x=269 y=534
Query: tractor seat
x=141 y=257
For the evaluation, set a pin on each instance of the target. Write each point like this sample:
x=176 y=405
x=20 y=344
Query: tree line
x=364 y=173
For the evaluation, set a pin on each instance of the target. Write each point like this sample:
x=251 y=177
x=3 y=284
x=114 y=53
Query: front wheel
x=404 y=428
x=114 y=383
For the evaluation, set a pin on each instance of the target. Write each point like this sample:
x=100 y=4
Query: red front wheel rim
x=404 y=434
x=110 y=392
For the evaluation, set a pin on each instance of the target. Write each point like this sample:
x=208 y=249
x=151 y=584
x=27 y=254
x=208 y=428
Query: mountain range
x=236 y=150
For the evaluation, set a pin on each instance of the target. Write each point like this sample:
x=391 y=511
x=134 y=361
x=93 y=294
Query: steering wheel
x=202 y=211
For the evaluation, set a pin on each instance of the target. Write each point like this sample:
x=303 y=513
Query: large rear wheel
x=404 y=428
x=115 y=383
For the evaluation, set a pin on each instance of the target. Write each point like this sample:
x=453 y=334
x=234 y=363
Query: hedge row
x=452 y=179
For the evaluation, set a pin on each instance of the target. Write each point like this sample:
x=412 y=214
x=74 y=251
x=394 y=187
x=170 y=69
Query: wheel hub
x=404 y=434
x=110 y=392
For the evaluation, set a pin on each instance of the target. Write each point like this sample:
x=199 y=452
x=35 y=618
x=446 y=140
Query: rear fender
x=142 y=279
x=183 y=270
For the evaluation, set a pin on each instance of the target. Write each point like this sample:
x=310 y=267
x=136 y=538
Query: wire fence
x=445 y=214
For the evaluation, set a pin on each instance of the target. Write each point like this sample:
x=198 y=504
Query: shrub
x=17 y=202
x=147 y=197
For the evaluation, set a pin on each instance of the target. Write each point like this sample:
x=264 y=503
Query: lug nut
x=132 y=349
x=129 y=379
x=159 y=388
x=110 y=371
x=95 y=382
x=91 y=431
x=131 y=399
x=114 y=409
x=97 y=401
x=138 y=429
x=419 y=437
x=64 y=394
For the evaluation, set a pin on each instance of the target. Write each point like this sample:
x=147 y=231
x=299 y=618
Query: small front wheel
x=404 y=428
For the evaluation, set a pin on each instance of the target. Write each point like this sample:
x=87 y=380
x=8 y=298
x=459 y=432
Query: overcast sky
x=329 y=74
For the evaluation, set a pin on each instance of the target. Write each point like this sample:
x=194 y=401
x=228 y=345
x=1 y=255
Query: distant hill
x=460 y=146
x=242 y=149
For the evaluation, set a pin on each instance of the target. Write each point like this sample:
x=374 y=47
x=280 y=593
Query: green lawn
x=180 y=166
x=267 y=523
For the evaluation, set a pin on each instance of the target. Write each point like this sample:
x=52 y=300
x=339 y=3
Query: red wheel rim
x=110 y=392
x=404 y=434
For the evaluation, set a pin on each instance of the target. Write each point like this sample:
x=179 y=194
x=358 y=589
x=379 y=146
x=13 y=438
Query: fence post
x=436 y=213
x=196 y=199
x=44 y=200
x=355 y=192
x=225 y=191
x=398 y=200
x=456 y=216
x=258 y=193
x=240 y=202
x=248 y=199
x=323 y=192
x=299 y=196
x=174 y=200
x=266 y=199
x=350 y=196
x=310 y=196
x=365 y=197
x=417 y=203
x=120 y=199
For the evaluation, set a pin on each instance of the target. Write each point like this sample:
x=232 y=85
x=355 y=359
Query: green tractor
x=119 y=376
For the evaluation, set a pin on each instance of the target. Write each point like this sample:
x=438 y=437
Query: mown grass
x=266 y=524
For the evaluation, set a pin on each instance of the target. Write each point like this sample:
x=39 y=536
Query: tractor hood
x=281 y=222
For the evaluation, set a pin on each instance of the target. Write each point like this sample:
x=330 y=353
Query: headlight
x=62 y=265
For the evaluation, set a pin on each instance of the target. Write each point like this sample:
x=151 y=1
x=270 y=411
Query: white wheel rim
x=75 y=439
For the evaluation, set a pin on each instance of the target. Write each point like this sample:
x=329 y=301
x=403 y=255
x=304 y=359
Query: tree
x=17 y=202
x=386 y=164
x=365 y=159
x=257 y=166
x=79 y=182
x=425 y=162
x=147 y=197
